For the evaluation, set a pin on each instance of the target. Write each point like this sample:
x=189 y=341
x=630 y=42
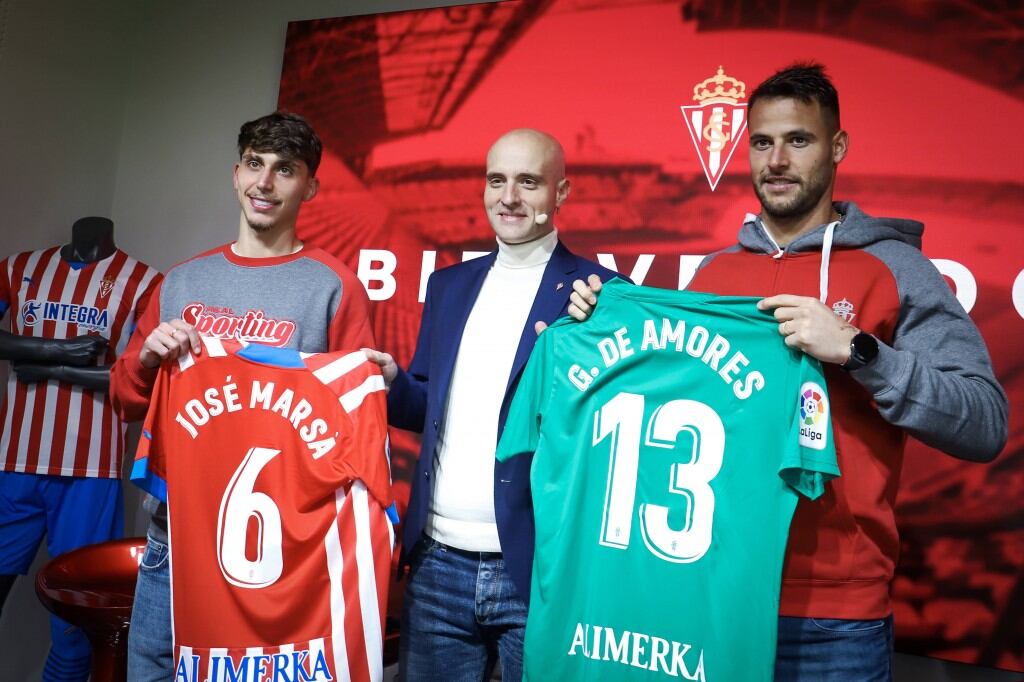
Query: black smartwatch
x=863 y=351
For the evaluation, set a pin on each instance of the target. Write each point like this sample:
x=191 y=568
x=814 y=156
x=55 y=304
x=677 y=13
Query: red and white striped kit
x=53 y=427
x=277 y=478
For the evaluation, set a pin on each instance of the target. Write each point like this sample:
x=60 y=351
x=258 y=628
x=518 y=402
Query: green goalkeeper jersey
x=672 y=433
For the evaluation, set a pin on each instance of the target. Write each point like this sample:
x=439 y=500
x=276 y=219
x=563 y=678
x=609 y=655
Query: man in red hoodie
x=900 y=354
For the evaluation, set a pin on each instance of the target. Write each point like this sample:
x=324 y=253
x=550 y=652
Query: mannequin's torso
x=37 y=359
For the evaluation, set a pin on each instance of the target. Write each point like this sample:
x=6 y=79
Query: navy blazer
x=417 y=397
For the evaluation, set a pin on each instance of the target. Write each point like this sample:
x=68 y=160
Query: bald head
x=547 y=148
x=525 y=179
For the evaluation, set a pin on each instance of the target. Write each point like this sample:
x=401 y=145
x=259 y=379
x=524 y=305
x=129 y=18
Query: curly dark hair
x=283 y=133
x=806 y=82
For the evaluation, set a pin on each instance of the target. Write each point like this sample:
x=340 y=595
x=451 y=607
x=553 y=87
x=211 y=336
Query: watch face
x=864 y=347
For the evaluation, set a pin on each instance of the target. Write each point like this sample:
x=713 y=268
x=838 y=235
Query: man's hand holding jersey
x=169 y=341
x=388 y=366
x=582 y=300
x=809 y=325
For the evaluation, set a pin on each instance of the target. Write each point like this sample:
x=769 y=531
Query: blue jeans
x=150 y=645
x=833 y=650
x=460 y=615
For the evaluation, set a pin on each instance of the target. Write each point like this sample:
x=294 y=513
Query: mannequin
x=62 y=446
x=68 y=360
x=37 y=359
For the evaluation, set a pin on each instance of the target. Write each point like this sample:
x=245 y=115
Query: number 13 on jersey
x=698 y=459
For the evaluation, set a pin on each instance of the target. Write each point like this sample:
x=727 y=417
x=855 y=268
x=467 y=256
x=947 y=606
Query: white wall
x=62 y=81
x=130 y=110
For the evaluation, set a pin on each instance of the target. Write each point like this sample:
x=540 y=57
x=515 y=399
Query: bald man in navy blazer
x=469 y=532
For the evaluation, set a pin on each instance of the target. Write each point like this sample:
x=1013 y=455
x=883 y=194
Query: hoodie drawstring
x=826 y=255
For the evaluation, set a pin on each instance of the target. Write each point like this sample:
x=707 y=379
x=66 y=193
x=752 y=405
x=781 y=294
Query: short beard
x=260 y=228
x=803 y=203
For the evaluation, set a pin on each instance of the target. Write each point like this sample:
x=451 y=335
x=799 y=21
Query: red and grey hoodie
x=932 y=379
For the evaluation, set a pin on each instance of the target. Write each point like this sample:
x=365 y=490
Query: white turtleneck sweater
x=462 y=506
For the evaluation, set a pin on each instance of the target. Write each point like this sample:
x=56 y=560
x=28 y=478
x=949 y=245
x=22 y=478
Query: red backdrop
x=408 y=103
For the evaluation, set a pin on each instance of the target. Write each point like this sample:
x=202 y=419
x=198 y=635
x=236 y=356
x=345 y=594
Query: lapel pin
x=559 y=286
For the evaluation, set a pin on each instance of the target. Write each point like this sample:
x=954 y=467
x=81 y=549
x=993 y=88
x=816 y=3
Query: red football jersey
x=52 y=427
x=277 y=482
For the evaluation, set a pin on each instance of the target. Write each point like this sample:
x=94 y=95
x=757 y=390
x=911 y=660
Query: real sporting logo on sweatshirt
x=252 y=327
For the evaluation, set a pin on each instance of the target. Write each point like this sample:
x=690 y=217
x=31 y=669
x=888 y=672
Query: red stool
x=92 y=588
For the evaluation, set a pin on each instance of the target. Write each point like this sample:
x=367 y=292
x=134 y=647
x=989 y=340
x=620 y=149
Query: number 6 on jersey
x=239 y=504
x=621 y=418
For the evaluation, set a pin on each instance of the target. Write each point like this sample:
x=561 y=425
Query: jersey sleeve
x=522 y=427
x=370 y=436
x=809 y=461
x=361 y=422
x=142 y=301
x=130 y=382
x=149 y=468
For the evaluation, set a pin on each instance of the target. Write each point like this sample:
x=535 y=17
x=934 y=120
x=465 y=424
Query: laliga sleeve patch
x=814 y=416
